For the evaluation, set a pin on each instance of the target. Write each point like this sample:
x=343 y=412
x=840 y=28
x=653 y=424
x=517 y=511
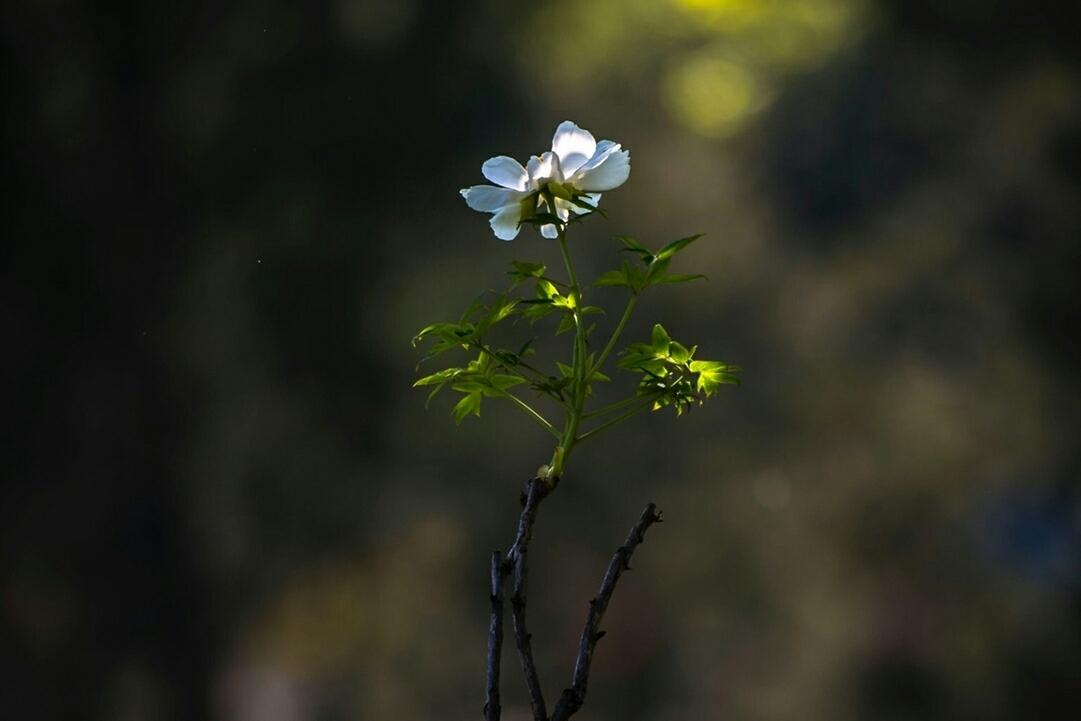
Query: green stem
x=574 y=417
x=617 y=420
x=531 y=412
x=605 y=410
x=615 y=335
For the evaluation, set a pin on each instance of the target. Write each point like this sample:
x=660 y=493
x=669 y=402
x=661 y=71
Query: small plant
x=554 y=191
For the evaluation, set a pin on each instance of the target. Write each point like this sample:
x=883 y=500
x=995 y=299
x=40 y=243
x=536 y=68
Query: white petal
x=604 y=149
x=549 y=231
x=544 y=168
x=489 y=199
x=611 y=173
x=563 y=209
x=505 y=223
x=506 y=172
x=573 y=145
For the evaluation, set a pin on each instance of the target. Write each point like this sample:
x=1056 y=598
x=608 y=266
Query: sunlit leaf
x=676 y=246
x=469 y=404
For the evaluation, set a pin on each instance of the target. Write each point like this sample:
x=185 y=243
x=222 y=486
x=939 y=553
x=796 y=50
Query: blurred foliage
x=220 y=498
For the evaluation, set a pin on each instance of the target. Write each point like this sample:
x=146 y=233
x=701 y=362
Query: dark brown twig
x=536 y=490
x=574 y=696
x=492 y=708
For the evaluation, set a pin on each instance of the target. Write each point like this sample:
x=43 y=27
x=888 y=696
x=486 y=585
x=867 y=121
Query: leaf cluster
x=670 y=372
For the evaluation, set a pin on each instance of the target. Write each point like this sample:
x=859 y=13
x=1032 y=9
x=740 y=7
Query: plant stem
x=544 y=423
x=615 y=335
x=648 y=401
x=574 y=417
x=605 y=410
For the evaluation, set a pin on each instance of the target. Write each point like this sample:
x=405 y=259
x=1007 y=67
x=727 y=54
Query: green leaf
x=713 y=374
x=565 y=324
x=634 y=246
x=678 y=352
x=661 y=340
x=545 y=289
x=441 y=377
x=676 y=246
x=469 y=404
x=528 y=270
x=503 y=381
x=679 y=278
x=612 y=278
x=566 y=370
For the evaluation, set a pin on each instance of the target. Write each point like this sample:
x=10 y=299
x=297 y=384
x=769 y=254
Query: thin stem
x=544 y=423
x=574 y=696
x=492 y=708
x=647 y=402
x=615 y=335
x=537 y=373
x=605 y=410
x=574 y=417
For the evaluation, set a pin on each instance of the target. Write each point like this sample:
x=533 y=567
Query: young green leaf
x=469 y=404
x=676 y=246
x=661 y=340
x=679 y=278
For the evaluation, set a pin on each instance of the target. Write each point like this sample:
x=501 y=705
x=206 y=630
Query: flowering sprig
x=553 y=191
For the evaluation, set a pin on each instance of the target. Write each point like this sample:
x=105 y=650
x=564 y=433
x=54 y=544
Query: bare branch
x=536 y=490
x=574 y=696
x=492 y=708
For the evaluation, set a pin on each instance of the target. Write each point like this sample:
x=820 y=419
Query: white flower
x=577 y=163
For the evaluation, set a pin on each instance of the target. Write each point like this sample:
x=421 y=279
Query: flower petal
x=610 y=173
x=544 y=168
x=489 y=199
x=563 y=209
x=506 y=223
x=604 y=149
x=506 y=172
x=573 y=145
x=549 y=231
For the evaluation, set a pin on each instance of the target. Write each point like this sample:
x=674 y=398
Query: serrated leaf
x=678 y=352
x=713 y=374
x=469 y=404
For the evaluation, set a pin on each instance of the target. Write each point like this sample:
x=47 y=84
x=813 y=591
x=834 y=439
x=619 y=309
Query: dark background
x=223 y=222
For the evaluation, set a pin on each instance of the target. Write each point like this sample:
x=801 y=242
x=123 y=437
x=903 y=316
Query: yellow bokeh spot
x=714 y=96
x=724 y=13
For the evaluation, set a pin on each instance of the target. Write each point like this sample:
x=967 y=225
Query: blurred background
x=221 y=499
